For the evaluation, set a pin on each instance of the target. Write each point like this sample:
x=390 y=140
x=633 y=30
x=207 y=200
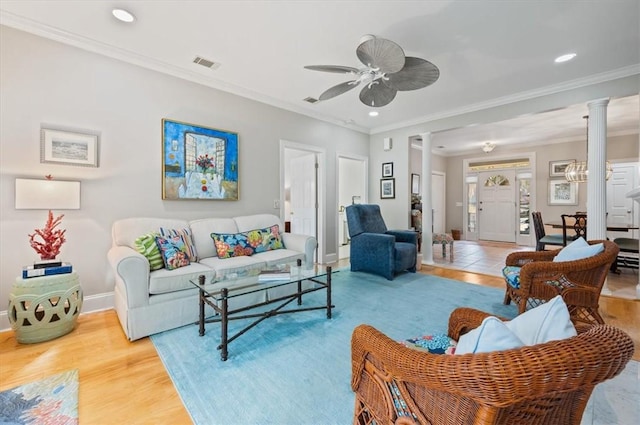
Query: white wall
x=44 y=81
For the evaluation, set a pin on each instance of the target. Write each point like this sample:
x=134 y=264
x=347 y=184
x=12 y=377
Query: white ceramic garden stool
x=44 y=308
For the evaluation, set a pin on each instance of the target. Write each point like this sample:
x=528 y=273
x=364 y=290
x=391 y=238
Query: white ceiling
x=488 y=52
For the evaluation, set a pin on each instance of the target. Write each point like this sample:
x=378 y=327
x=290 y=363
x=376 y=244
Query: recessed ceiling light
x=565 y=58
x=373 y=113
x=123 y=15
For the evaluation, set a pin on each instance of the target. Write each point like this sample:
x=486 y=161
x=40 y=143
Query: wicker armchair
x=579 y=282
x=542 y=384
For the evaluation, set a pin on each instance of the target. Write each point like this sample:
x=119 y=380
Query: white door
x=303 y=194
x=352 y=188
x=497 y=206
x=620 y=209
x=438 y=202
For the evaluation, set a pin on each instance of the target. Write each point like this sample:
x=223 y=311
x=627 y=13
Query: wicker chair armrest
x=520 y=258
x=464 y=319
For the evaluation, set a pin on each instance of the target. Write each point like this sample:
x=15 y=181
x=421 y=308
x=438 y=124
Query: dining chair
x=575 y=222
x=542 y=239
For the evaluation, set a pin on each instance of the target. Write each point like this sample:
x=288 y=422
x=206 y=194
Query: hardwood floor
x=125 y=382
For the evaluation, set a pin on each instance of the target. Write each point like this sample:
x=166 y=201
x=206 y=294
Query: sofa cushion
x=165 y=281
x=577 y=250
x=186 y=238
x=174 y=251
x=234 y=266
x=280 y=256
x=125 y=231
x=256 y=221
x=146 y=245
x=201 y=231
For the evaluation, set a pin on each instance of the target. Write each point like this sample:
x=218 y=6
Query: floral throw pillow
x=434 y=344
x=232 y=245
x=266 y=239
x=174 y=251
x=186 y=237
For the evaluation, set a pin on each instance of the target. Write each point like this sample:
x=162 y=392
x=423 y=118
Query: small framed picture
x=415 y=184
x=68 y=146
x=562 y=192
x=387 y=188
x=387 y=169
x=557 y=168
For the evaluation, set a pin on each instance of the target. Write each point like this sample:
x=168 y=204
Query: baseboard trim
x=90 y=304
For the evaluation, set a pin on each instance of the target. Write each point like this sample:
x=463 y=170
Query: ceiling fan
x=387 y=70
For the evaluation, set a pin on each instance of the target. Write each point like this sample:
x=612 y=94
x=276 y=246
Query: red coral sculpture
x=52 y=238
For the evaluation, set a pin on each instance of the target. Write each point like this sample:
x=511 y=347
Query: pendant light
x=578 y=171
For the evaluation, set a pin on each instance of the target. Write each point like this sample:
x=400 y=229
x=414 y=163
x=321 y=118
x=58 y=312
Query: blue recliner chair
x=375 y=249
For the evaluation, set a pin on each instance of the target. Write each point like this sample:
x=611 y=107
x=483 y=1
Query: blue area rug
x=52 y=400
x=296 y=369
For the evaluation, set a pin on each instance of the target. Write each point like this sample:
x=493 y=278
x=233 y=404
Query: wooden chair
x=575 y=222
x=628 y=256
x=542 y=239
x=548 y=383
x=579 y=282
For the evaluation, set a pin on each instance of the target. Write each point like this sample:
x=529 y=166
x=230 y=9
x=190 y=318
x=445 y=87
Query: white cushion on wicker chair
x=491 y=335
x=547 y=322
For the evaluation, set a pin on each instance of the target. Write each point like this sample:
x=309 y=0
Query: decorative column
x=596 y=160
x=427 y=204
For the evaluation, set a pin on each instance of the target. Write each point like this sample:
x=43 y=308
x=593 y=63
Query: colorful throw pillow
x=232 y=245
x=434 y=344
x=187 y=237
x=266 y=239
x=174 y=251
x=146 y=245
x=512 y=275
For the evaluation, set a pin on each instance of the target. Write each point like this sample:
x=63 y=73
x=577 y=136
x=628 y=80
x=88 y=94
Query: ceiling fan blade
x=339 y=89
x=416 y=74
x=377 y=95
x=380 y=53
x=337 y=69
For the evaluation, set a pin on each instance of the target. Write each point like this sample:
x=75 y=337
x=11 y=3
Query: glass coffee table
x=280 y=290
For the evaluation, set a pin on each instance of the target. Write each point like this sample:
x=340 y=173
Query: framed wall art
x=557 y=168
x=387 y=188
x=387 y=169
x=67 y=146
x=562 y=192
x=198 y=162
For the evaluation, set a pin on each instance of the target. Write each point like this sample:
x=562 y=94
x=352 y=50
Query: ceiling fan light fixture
x=123 y=15
x=373 y=113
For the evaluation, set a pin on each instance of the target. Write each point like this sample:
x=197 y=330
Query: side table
x=44 y=308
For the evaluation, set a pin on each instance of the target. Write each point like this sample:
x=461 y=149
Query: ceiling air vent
x=310 y=99
x=206 y=63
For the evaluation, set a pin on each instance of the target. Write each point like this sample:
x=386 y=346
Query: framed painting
x=68 y=146
x=562 y=192
x=198 y=162
x=387 y=169
x=557 y=168
x=387 y=188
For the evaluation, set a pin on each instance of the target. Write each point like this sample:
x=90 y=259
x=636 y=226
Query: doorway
x=496 y=205
x=302 y=197
x=352 y=189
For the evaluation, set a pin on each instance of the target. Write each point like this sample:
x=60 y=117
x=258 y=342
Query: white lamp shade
x=32 y=194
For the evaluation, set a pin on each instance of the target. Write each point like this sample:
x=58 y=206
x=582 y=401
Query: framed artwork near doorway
x=387 y=188
x=562 y=192
x=557 y=168
x=387 y=169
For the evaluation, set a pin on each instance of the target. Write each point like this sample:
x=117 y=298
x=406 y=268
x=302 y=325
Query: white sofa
x=149 y=302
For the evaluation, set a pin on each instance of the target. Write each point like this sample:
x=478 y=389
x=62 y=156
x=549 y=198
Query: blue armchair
x=375 y=249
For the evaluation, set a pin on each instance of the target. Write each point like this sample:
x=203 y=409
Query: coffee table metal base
x=225 y=315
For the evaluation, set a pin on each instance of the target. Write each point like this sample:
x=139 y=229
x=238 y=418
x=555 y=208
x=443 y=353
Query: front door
x=497 y=206
x=620 y=209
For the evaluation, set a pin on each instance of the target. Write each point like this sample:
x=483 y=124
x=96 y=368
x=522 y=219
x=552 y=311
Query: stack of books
x=274 y=275
x=46 y=268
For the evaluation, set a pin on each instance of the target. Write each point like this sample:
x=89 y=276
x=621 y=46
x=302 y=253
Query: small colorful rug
x=52 y=401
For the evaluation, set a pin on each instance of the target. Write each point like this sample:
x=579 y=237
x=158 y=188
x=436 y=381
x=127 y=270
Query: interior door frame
x=321 y=154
